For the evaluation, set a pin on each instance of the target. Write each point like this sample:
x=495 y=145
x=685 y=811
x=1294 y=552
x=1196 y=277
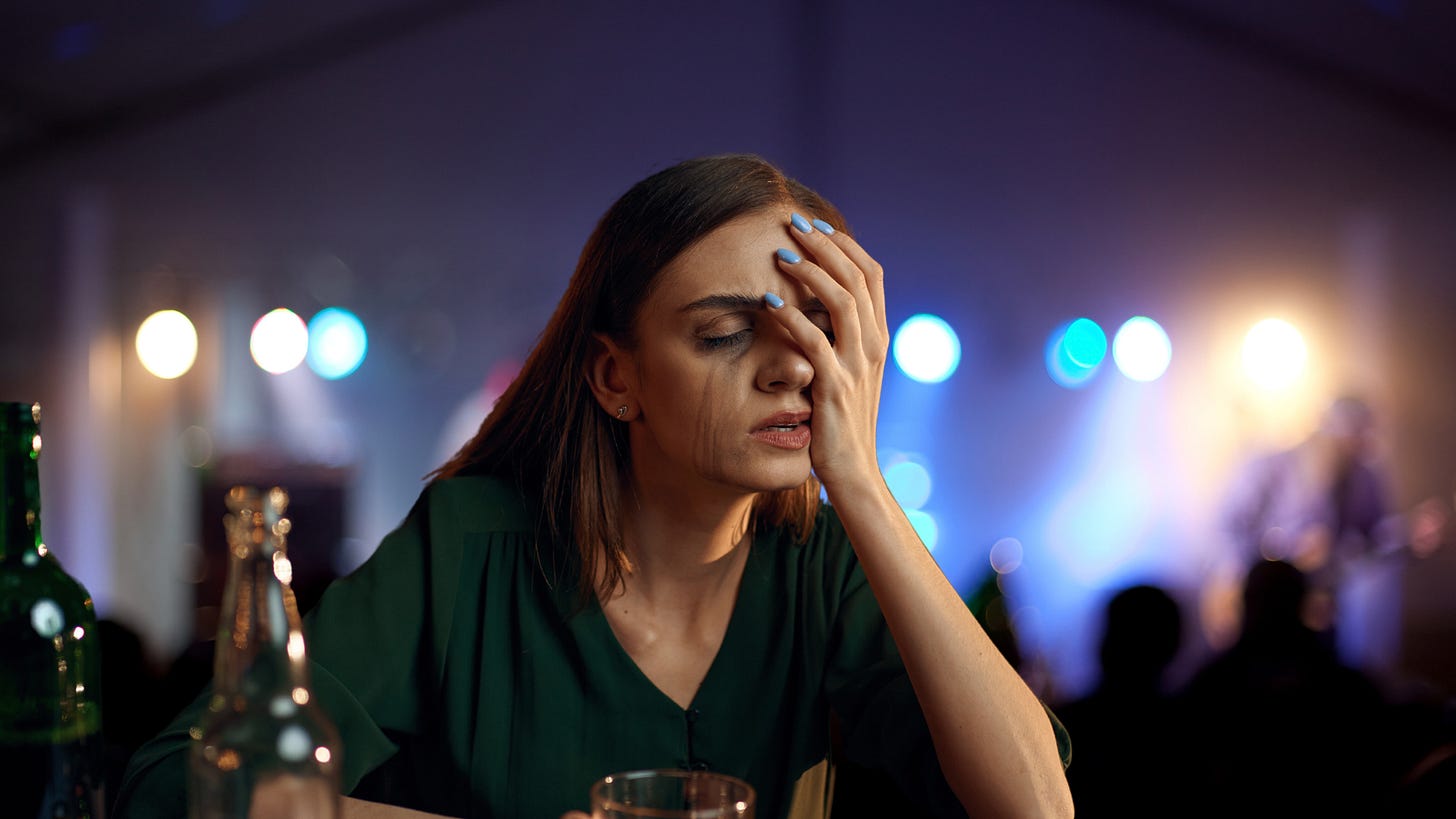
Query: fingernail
x=801 y=223
x=824 y=227
x=789 y=256
x=773 y=301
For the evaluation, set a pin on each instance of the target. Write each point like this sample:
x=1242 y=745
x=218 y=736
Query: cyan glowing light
x=1085 y=342
x=925 y=527
x=909 y=482
x=1274 y=354
x=927 y=349
x=1141 y=349
x=1075 y=351
x=336 y=342
x=279 y=341
x=166 y=343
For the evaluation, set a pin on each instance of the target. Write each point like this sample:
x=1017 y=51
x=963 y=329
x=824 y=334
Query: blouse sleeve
x=881 y=724
x=375 y=643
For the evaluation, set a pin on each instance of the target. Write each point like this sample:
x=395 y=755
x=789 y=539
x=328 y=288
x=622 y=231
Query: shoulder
x=826 y=555
x=476 y=504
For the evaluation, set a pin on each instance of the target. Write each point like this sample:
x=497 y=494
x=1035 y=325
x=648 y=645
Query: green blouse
x=463 y=682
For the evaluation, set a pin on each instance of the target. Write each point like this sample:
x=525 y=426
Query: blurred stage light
x=1141 y=349
x=925 y=527
x=196 y=446
x=166 y=343
x=336 y=343
x=927 y=349
x=1075 y=351
x=1006 y=555
x=1274 y=354
x=279 y=341
x=909 y=482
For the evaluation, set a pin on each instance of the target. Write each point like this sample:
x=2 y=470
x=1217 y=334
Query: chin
x=778 y=479
x=760 y=475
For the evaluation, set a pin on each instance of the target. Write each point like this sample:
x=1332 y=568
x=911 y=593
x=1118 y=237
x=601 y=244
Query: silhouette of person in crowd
x=1276 y=725
x=1325 y=506
x=1126 y=729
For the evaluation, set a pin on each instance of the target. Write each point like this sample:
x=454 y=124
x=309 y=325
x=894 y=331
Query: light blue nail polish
x=789 y=256
x=801 y=223
x=773 y=301
x=824 y=227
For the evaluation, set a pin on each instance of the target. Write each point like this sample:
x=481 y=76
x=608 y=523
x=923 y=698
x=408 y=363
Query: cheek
x=706 y=407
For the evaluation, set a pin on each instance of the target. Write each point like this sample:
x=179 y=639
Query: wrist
x=865 y=490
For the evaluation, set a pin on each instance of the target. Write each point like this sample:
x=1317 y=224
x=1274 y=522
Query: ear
x=609 y=373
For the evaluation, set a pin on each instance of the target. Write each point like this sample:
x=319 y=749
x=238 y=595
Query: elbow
x=1050 y=804
x=1059 y=803
x=1034 y=795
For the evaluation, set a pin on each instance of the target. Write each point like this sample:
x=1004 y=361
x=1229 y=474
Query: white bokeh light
x=1274 y=354
x=1142 y=349
x=166 y=343
x=279 y=341
x=927 y=349
x=1006 y=555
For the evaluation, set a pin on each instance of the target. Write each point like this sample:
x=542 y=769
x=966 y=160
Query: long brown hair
x=547 y=429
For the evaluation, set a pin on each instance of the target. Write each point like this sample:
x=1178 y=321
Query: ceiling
x=1396 y=55
x=79 y=71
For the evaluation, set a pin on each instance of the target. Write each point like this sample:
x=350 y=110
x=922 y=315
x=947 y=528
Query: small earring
x=622 y=411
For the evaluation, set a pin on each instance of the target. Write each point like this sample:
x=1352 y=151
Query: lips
x=784 y=421
x=784 y=430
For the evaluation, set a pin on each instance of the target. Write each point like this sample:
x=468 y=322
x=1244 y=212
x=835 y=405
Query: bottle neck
x=260 y=637
x=19 y=480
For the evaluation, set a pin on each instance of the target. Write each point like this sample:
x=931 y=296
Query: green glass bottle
x=51 y=749
x=264 y=746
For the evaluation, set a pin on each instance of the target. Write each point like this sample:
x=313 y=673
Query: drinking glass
x=671 y=794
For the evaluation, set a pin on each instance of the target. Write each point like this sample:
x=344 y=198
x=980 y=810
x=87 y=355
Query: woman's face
x=721 y=390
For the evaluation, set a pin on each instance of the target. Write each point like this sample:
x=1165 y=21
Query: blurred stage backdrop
x=431 y=169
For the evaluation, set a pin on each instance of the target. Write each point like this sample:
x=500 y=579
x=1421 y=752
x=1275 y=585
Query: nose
x=784 y=367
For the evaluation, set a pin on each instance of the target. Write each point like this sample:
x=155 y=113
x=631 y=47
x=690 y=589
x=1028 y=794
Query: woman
x=629 y=565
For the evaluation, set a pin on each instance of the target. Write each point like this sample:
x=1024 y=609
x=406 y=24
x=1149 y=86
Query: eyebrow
x=739 y=301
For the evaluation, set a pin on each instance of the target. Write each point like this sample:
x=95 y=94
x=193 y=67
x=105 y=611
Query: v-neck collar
x=747 y=619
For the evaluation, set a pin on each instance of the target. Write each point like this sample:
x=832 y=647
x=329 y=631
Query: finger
x=844 y=318
x=873 y=271
x=818 y=239
x=810 y=338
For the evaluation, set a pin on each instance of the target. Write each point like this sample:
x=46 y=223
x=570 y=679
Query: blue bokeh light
x=926 y=348
x=1085 y=342
x=925 y=527
x=909 y=482
x=1075 y=351
x=337 y=343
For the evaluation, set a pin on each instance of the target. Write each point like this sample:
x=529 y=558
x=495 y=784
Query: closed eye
x=725 y=341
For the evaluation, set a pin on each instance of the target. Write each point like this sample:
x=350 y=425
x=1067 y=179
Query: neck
x=681 y=548
x=19 y=482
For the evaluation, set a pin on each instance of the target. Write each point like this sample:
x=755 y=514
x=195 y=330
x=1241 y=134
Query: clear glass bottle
x=264 y=746
x=51 y=750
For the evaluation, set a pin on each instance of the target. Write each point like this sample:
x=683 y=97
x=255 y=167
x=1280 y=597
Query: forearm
x=992 y=737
